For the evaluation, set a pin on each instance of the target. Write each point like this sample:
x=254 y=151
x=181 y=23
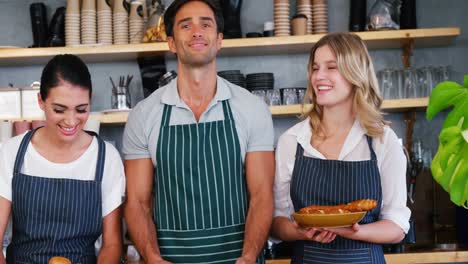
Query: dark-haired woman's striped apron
x=332 y=182
x=55 y=217
x=201 y=198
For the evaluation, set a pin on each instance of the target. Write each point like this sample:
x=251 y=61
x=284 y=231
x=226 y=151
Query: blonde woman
x=342 y=151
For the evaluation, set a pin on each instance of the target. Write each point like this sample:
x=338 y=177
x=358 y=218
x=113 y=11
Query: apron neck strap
x=299 y=151
x=21 y=151
x=101 y=156
x=369 y=143
x=227 y=110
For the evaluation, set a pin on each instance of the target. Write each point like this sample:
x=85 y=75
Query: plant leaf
x=450 y=164
x=447 y=94
x=459 y=179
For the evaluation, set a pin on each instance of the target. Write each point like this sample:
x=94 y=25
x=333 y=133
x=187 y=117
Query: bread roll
x=59 y=260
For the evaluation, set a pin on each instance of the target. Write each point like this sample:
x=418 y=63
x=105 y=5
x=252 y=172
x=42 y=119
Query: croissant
x=354 y=206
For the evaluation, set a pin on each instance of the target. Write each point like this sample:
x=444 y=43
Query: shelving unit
x=430 y=37
x=286 y=110
x=280 y=110
x=404 y=39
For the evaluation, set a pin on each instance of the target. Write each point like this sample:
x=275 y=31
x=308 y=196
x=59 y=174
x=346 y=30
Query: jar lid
x=269 y=25
x=36 y=85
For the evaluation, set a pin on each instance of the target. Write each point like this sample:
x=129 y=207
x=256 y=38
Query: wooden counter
x=426 y=257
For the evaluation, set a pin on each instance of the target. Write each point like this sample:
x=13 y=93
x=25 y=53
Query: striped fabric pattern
x=55 y=217
x=200 y=191
x=331 y=182
x=218 y=245
x=330 y=255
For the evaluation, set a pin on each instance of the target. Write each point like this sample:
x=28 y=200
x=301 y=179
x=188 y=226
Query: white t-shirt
x=83 y=168
x=391 y=162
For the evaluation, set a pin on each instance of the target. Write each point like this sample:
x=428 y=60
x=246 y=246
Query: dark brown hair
x=68 y=68
x=169 y=15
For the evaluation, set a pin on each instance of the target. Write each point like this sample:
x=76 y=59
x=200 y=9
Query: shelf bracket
x=407 y=52
x=410 y=119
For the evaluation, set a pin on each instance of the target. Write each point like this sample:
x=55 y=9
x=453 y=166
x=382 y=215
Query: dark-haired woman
x=62 y=185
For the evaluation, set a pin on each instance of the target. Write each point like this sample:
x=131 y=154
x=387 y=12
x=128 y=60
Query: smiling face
x=196 y=40
x=66 y=110
x=329 y=85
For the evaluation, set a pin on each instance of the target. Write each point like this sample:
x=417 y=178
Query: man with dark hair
x=199 y=155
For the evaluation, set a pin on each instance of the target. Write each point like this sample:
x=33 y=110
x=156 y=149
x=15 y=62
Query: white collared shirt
x=391 y=162
x=254 y=125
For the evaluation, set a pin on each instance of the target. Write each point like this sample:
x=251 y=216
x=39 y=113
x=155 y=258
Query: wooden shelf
x=405 y=104
x=387 y=105
x=246 y=46
x=287 y=110
x=280 y=110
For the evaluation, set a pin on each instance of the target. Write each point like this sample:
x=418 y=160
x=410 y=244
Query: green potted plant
x=450 y=164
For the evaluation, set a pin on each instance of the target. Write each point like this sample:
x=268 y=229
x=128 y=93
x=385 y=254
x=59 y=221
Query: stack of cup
x=104 y=19
x=120 y=22
x=320 y=16
x=88 y=22
x=304 y=7
x=136 y=22
x=299 y=25
x=22 y=126
x=282 y=23
x=145 y=11
x=72 y=23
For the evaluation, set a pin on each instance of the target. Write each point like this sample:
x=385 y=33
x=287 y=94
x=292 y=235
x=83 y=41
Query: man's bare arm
x=138 y=209
x=260 y=170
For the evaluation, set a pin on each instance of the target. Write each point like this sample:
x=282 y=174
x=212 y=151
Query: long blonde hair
x=355 y=64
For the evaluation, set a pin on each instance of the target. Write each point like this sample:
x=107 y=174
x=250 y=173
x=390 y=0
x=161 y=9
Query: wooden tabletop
x=426 y=257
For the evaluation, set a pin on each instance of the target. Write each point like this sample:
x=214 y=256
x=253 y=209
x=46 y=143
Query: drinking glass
x=410 y=83
x=427 y=158
x=273 y=96
x=398 y=87
x=441 y=74
x=426 y=80
x=290 y=96
x=261 y=94
x=120 y=98
x=387 y=82
x=301 y=94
